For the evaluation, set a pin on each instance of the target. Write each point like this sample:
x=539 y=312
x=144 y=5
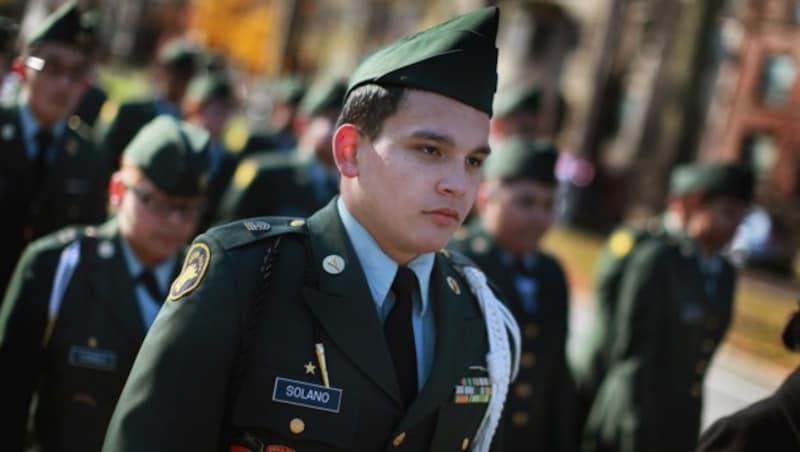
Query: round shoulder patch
x=621 y=243
x=194 y=268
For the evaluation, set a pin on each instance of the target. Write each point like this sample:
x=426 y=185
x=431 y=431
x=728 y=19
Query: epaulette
x=249 y=230
x=76 y=124
x=457 y=259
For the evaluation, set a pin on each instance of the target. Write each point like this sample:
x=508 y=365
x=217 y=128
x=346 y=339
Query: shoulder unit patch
x=194 y=268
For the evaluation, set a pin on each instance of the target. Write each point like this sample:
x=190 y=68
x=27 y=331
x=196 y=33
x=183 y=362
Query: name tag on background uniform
x=306 y=394
x=93 y=358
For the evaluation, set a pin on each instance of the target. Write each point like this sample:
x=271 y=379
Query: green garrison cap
x=181 y=55
x=290 y=89
x=66 y=25
x=723 y=179
x=525 y=98
x=325 y=94
x=457 y=59
x=173 y=154
x=209 y=85
x=523 y=159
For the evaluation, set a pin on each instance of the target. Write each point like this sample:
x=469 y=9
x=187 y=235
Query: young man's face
x=54 y=91
x=516 y=213
x=418 y=178
x=156 y=224
x=713 y=222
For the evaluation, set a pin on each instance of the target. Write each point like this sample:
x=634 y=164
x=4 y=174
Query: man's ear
x=482 y=196
x=116 y=188
x=346 y=140
x=18 y=67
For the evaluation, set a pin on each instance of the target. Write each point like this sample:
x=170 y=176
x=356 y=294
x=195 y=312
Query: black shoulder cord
x=230 y=437
x=242 y=356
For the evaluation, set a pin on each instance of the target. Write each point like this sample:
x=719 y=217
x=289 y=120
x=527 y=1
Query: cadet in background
x=82 y=298
x=515 y=209
x=674 y=305
x=51 y=175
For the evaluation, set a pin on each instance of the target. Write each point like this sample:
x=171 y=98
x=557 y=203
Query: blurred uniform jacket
x=184 y=383
x=590 y=362
x=72 y=190
x=279 y=185
x=539 y=412
x=78 y=360
x=667 y=326
x=771 y=424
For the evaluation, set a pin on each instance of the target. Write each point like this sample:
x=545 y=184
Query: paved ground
x=734 y=380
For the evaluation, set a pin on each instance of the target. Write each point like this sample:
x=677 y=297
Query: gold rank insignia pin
x=310 y=368
x=194 y=268
x=454 y=285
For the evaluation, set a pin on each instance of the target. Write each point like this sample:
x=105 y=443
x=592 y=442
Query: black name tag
x=93 y=358
x=307 y=394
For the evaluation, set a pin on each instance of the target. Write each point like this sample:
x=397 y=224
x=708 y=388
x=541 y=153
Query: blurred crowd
x=101 y=197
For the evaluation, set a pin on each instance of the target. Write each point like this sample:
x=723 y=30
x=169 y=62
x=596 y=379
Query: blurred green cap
x=173 y=154
x=209 y=85
x=716 y=179
x=523 y=159
x=181 y=55
x=67 y=25
x=457 y=59
x=324 y=95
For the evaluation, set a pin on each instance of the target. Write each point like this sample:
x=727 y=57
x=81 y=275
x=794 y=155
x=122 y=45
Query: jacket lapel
x=110 y=280
x=455 y=319
x=343 y=303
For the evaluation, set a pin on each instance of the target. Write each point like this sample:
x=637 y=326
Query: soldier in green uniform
x=349 y=331
x=298 y=184
x=176 y=64
x=674 y=305
x=50 y=174
x=515 y=209
x=590 y=360
x=279 y=135
x=210 y=103
x=82 y=298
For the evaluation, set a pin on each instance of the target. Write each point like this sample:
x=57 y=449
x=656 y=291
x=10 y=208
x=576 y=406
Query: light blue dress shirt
x=380 y=270
x=30 y=127
x=148 y=306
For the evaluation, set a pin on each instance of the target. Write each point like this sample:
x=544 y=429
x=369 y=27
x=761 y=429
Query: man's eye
x=475 y=161
x=431 y=150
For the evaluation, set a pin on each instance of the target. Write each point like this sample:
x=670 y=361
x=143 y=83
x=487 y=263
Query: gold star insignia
x=310 y=368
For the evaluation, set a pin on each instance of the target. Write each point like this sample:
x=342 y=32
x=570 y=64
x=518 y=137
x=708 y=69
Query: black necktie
x=44 y=138
x=148 y=280
x=400 y=334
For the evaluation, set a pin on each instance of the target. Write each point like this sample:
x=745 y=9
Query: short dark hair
x=369 y=105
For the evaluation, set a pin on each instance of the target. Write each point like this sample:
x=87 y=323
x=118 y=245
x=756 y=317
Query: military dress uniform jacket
x=539 y=412
x=666 y=329
x=183 y=382
x=276 y=185
x=78 y=360
x=590 y=361
x=771 y=424
x=72 y=191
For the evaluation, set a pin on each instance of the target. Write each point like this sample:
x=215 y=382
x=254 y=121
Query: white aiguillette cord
x=502 y=362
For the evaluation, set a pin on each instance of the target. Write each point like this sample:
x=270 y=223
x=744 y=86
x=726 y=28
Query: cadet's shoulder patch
x=621 y=242
x=194 y=268
x=251 y=230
